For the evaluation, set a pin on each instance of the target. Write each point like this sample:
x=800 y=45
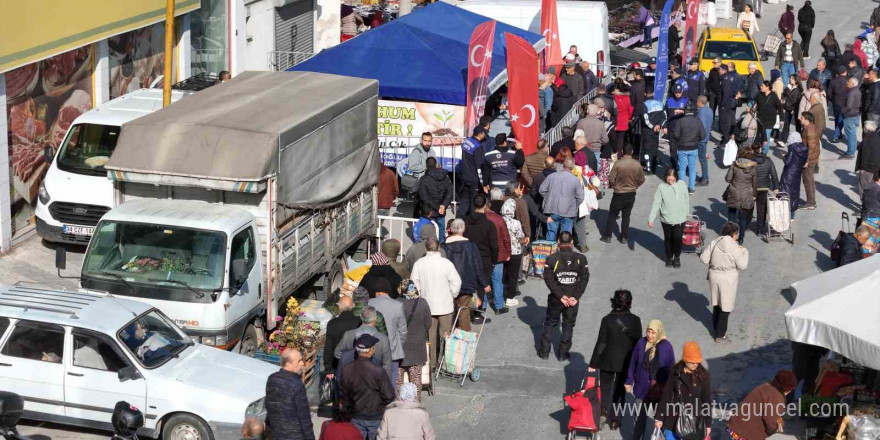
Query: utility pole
x=169 y=52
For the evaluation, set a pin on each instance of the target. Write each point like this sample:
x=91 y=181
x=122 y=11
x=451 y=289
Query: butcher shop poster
x=401 y=124
x=136 y=59
x=42 y=99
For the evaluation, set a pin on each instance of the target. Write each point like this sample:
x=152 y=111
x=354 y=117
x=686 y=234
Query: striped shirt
x=789 y=58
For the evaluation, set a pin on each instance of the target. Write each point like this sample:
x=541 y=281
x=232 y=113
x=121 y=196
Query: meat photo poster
x=42 y=100
x=136 y=59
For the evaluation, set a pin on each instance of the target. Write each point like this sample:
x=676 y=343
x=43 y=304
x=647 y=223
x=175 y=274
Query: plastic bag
x=730 y=150
x=658 y=434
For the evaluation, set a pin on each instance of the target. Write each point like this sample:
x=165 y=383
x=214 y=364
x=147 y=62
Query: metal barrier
x=398 y=228
x=279 y=61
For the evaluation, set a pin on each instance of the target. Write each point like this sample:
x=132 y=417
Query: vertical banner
x=690 y=31
x=522 y=93
x=550 y=30
x=479 y=64
x=663 y=53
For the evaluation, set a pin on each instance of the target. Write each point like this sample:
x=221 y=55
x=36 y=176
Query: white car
x=72 y=355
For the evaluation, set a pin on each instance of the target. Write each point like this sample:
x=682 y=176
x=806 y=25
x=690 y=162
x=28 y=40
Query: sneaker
x=781 y=144
x=583 y=249
x=669 y=262
x=806 y=57
x=502 y=311
x=846 y=157
x=605 y=239
x=703 y=183
x=563 y=357
x=478 y=319
x=544 y=356
x=511 y=302
x=621 y=240
x=691 y=191
x=809 y=207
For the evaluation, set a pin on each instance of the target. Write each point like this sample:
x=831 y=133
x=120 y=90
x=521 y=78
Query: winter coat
x=388 y=188
x=417 y=314
x=655 y=116
x=696 y=85
x=336 y=328
x=533 y=164
x=585 y=157
x=766 y=178
x=637 y=96
x=618 y=333
x=416 y=161
x=566 y=273
x=871 y=202
x=837 y=91
x=395 y=322
x=818 y=112
x=439 y=285
x=537 y=181
x=419 y=249
x=563 y=193
x=435 y=190
x=786 y=23
x=741 y=191
x=626 y=175
x=391 y=249
x=687 y=133
x=759 y=413
x=753 y=84
x=481 y=232
x=873 y=102
x=793 y=167
x=853 y=104
x=590 y=81
x=287 y=407
x=713 y=81
x=685 y=390
x=575 y=83
x=370 y=279
x=624 y=112
x=503 y=236
x=565 y=143
x=869 y=153
x=367 y=388
x=671 y=202
x=405 y=421
x=594 y=132
x=812 y=140
x=382 y=357
x=563 y=101
x=514 y=227
x=639 y=373
x=824 y=77
x=500 y=166
x=870 y=49
x=729 y=88
x=850 y=251
x=768 y=107
x=725 y=258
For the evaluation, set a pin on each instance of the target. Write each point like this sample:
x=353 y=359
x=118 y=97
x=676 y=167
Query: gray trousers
x=866 y=179
x=580 y=230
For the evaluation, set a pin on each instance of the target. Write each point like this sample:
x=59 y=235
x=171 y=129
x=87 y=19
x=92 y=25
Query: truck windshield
x=87 y=148
x=730 y=50
x=153 y=339
x=171 y=257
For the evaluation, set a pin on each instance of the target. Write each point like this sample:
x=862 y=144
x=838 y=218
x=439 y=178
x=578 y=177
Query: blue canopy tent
x=422 y=56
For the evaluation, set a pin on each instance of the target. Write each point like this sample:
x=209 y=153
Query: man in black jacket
x=868 y=160
x=466 y=257
x=727 y=105
x=713 y=85
x=481 y=231
x=806 y=21
x=566 y=274
x=501 y=164
x=766 y=180
x=837 y=95
x=872 y=95
x=685 y=137
x=435 y=193
x=851 y=246
x=335 y=329
x=366 y=388
x=538 y=179
x=287 y=407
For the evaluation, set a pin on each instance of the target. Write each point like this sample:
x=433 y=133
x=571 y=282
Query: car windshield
x=87 y=148
x=730 y=50
x=153 y=339
x=168 y=256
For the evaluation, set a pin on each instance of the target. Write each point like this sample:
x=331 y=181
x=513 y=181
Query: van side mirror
x=239 y=272
x=60 y=259
x=128 y=373
x=48 y=153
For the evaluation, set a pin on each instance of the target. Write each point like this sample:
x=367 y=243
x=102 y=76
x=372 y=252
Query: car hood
x=223 y=372
x=69 y=187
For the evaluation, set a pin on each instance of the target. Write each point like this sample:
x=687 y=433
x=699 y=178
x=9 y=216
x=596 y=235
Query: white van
x=581 y=23
x=76 y=192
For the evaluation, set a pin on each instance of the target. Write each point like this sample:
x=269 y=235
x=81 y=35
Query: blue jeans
x=498 y=285
x=851 y=128
x=687 y=162
x=646 y=35
x=558 y=222
x=441 y=228
x=704 y=163
x=767 y=134
x=787 y=70
x=368 y=428
x=838 y=123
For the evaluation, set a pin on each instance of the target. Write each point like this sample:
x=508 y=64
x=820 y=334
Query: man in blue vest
x=500 y=165
x=471 y=158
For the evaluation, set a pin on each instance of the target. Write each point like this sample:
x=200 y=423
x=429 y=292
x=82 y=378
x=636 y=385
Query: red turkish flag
x=550 y=30
x=522 y=91
x=690 y=32
x=479 y=64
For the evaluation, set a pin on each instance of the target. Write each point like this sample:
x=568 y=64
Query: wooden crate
x=310 y=358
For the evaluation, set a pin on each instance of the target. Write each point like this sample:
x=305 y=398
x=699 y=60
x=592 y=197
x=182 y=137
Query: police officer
x=650 y=73
x=654 y=121
x=471 y=158
x=501 y=164
x=696 y=81
x=566 y=274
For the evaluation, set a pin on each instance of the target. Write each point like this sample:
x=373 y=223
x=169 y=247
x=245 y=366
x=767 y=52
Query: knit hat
x=408 y=392
x=379 y=259
x=691 y=353
x=785 y=380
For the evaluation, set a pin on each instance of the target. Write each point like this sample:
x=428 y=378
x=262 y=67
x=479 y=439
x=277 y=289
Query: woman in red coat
x=624 y=115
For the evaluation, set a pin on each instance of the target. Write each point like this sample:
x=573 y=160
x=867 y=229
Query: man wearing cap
x=382 y=354
x=287 y=407
x=395 y=321
x=574 y=80
x=470 y=176
x=675 y=105
x=365 y=387
x=651 y=73
x=760 y=414
x=685 y=137
x=696 y=80
x=566 y=275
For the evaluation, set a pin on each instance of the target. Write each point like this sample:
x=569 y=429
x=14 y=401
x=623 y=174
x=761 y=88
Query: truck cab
x=76 y=192
x=198 y=262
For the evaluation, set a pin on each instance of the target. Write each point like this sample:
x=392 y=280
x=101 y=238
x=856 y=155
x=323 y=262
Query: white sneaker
x=511 y=302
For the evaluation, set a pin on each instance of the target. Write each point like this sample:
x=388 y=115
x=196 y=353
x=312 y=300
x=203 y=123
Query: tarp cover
x=315 y=132
x=839 y=310
x=423 y=56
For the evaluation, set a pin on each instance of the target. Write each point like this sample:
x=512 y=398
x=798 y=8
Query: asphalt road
x=520 y=396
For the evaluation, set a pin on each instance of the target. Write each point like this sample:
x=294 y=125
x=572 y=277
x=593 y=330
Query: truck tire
x=332 y=282
x=186 y=427
x=248 y=345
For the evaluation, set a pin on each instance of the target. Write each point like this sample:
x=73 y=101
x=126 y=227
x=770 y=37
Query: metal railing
x=279 y=61
x=398 y=228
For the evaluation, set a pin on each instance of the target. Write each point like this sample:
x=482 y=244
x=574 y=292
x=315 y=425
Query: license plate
x=78 y=230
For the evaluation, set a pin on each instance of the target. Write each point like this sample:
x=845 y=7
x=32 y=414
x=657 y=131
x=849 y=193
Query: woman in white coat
x=747 y=20
x=726 y=258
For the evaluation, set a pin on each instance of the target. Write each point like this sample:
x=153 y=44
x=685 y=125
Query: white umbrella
x=840 y=310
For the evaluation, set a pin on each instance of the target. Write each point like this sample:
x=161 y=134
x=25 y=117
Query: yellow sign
x=36 y=29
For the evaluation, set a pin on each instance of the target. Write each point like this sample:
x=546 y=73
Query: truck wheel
x=248 y=346
x=186 y=427
x=332 y=282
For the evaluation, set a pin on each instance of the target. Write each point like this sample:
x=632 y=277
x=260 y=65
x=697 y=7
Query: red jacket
x=624 y=112
x=503 y=235
x=388 y=189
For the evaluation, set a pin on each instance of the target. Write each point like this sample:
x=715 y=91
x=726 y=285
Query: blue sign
x=662 y=70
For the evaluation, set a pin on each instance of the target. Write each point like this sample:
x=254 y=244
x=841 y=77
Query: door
x=247 y=297
x=30 y=366
x=91 y=383
x=294 y=27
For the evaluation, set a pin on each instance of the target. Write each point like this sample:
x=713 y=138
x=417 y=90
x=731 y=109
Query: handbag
x=687 y=425
x=713 y=245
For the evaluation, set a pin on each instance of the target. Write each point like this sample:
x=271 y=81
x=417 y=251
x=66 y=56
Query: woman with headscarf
x=793 y=168
x=418 y=321
x=405 y=419
x=648 y=372
x=381 y=269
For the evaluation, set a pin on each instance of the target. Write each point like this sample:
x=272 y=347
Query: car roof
x=128 y=107
x=193 y=214
x=76 y=308
x=727 y=34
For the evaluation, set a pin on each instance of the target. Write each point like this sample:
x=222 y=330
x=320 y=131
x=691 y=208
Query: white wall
x=328 y=24
x=256 y=36
x=5 y=207
x=101 y=77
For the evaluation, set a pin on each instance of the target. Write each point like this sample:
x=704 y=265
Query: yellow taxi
x=731 y=44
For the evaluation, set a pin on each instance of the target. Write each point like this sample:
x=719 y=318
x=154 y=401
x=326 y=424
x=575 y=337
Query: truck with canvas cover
x=228 y=202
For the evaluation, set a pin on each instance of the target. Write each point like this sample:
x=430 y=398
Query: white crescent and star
x=486 y=55
x=531 y=109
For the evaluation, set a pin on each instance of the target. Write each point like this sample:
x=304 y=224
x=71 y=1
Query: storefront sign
x=37 y=29
x=401 y=124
